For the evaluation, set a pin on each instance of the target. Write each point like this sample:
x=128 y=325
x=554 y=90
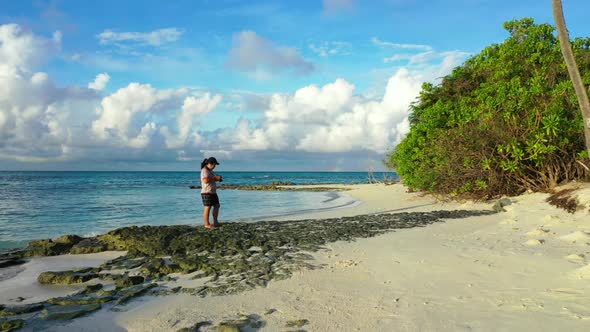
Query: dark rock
x=90 y=289
x=226 y=327
x=297 y=323
x=131 y=263
x=68 y=239
x=128 y=293
x=88 y=246
x=79 y=299
x=65 y=277
x=499 y=205
x=67 y=312
x=46 y=248
x=240 y=324
x=102 y=292
x=157 y=268
x=128 y=281
x=11 y=262
x=196 y=327
x=150 y=240
x=199 y=291
x=86 y=270
x=11 y=325
x=282 y=183
x=20 y=309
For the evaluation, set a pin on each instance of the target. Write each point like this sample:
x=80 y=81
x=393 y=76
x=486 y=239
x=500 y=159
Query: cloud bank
x=42 y=122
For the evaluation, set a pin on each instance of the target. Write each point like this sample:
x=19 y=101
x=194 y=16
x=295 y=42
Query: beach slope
x=526 y=268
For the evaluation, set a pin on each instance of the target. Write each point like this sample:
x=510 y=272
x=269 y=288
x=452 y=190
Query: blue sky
x=154 y=85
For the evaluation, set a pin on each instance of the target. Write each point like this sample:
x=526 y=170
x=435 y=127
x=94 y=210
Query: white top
x=211 y=186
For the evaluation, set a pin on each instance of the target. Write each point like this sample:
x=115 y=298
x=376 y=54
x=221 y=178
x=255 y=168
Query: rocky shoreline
x=234 y=258
x=280 y=186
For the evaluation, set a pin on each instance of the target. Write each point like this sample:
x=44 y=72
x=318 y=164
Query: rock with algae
x=20 y=309
x=67 y=277
x=8 y=325
x=67 y=312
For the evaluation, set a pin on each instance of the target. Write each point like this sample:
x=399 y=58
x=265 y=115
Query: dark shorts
x=210 y=199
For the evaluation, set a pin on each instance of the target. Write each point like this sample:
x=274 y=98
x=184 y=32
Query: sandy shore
x=21 y=280
x=524 y=269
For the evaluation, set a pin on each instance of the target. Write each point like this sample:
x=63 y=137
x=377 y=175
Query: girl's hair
x=204 y=162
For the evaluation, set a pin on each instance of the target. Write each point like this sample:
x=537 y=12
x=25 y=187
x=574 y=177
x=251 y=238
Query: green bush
x=505 y=121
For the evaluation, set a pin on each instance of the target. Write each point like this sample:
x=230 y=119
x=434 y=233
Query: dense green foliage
x=505 y=121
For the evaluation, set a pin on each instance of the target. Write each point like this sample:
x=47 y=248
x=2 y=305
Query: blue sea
x=39 y=205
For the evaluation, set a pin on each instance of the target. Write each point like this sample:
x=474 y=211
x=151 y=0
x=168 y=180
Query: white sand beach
x=525 y=269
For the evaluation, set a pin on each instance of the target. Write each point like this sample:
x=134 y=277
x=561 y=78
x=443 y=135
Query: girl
x=209 y=191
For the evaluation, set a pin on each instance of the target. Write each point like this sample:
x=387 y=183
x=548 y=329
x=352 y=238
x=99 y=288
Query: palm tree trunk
x=572 y=68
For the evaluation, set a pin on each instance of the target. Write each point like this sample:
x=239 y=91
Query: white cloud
x=40 y=122
x=29 y=120
x=118 y=110
x=330 y=48
x=153 y=38
x=381 y=43
x=191 y=109
x=21 y=51
x=258 y=56
x=331 y=118
x=100 y=82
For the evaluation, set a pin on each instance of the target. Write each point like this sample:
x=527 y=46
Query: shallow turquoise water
x=36 y=205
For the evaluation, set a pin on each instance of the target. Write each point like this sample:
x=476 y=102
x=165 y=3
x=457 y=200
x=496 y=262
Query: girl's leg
x=215 y=214
x=206 y=211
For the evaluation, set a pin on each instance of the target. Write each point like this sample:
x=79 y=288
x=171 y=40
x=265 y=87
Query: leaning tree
x=572 y=68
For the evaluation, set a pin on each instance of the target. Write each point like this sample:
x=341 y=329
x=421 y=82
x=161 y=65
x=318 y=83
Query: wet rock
x=68 y=239
x=46 y=248
x=277 y=186
x=11 y=262
x=67 y=312
x=164 y=291
x=80 y=299
x=157 y=268
x=20 y=309
x=130 y=263
x=150 y=241
x=66 y=277
x=128 y=281
x=88 y=246
x=128 y=293
x=199 y=291
x=90 y=289
x=282 y=183
x=11 y=325
x=102 y=292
